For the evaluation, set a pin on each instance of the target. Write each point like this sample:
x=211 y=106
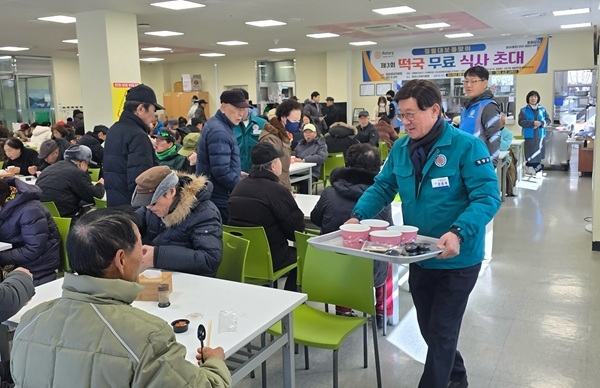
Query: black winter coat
x=27 y=159
x=68 y=186
x=368 y=134
x=28 y=226
x=337 y=201
x=260 y=200
x=340 y=138
x=62 y=147
x=92 y=140
x=128 y=152
x=190 y=238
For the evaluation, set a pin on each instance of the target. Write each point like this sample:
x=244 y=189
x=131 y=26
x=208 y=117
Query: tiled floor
x=533 y=319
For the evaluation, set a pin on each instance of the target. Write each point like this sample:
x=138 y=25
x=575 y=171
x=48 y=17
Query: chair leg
x=335 y=369
x=263 y=340
x=365 y=333
x=377 y=362
x=306 y=357
x=385 y=296
x=295 y=348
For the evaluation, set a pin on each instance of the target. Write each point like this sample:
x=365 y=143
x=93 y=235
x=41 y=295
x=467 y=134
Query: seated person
x=28 y=226
x=340 y=137
x=181 y=228
x=94 y=141
x=337 y=201
x=190 y=144
x=167 y=150
x=311 y=149
x=92 y=336
x=18 y=157
x=366 y=132
x=260 y=200
x=51 y=151
x=62 y=131
x=506 y=136
x=68 y=184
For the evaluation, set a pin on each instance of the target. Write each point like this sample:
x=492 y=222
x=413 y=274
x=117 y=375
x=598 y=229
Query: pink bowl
x=409 y=233
x=389 y=237
x=354 y=235
x=375 y=224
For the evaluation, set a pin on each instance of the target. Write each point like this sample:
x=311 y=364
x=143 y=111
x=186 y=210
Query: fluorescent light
x=59 y=19
x=163 y=33
x=5 y=57
x=282 y=50
x=178 y=5
x=13 y=48
x=156 y=49
x=212 y=55
x=232 y=43
x=75 y=41
x=576 y=25
x=394 y=10
x=566 y=12
x=432 y=25
x=151 y=59
x=266 y=23
x=460 y=35
x=286 y=67
x=323 y=35
x=363 y=43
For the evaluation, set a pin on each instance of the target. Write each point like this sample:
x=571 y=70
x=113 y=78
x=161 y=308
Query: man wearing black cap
x=330 y=113
x=366 y=132
x=218 y=151
x=94 y=140
x=128 y=150
x=51 y=151
x=200 y=110
x=260 y=200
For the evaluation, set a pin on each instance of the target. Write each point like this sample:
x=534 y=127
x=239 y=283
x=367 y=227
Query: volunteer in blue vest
x=533 y=118
x=449 y=191
x=481 y=114
x=393 y=111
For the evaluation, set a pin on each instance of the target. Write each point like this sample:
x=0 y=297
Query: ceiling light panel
x=74 y=41
x=575 y=25
x=13 y=48
x=59 y=19
x=323 y=35
x=282 y=50
x=363 y=43
x=156 y=49
x=266 y=23
x=460 y=35
x=566 y=12
x=432 y=25
x=163 y=33
x=232 y=43
x=212 y=55
x=151 y=59
x=394 y=10
x=178 y=5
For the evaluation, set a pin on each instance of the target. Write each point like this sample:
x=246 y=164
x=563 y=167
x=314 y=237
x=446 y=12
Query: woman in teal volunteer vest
x=533 y=118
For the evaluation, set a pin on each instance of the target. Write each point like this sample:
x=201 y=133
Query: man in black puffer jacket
x=128 y=150
x=94 y=141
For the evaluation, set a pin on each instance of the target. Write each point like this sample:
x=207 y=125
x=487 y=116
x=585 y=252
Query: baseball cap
x=165 y=134
x=46 y=148
x=79 y=152
x=101 y=128
x=329 y=99
x=264 y=153
x=202 y=101
x=190 y=142
x=234 y=97
x=143 y=93
x=309 y=127
x=363 y=113
x=153 y=184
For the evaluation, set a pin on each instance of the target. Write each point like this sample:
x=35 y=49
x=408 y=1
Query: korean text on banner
x=119 y=91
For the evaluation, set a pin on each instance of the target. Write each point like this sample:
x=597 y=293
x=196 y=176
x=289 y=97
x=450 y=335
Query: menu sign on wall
x=525 y=56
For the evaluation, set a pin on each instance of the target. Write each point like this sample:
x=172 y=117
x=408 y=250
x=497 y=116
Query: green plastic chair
x=51 y=206
x=301 y=246
x=94 y=174
x=63 y=224
x=383 y=151
x=259 y=264
x=100 y=203
x=333 y=161
x=233 y=262
x=344 y=280
x=1 y=164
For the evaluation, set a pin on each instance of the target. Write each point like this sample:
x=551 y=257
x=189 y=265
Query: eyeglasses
x=472 y=81
x=407 y=116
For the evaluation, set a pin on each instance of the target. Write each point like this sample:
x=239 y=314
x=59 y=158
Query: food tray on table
x=333 y=242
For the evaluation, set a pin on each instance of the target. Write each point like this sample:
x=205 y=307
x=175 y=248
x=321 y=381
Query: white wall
x=67 y=90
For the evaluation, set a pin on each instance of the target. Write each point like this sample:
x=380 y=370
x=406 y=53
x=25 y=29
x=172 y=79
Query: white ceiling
x=224 y=20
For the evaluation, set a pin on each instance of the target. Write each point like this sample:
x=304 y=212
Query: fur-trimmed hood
x=198 y=189
x=275 y=128
x=341 y=129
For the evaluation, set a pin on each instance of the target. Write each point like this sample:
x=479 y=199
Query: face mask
x=382 y=104
x=292 y=127
x=389 y=99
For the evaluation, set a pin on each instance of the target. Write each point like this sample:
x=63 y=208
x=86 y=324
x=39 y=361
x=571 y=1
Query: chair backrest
x=383 y=150
x=1 y=163
x=301 y=245
x=334 y=160
x=235 y=250
x=63 y=224
x=343 y=280
x=100 y=203
x=259 y=264
x=94 y=174
x=51 y=206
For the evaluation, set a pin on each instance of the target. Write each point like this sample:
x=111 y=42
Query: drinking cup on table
x=409 y=233
x=387 y=237
x=354 y=235
x=376 y=224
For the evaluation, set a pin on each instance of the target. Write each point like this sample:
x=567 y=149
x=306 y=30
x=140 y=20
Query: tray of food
x=421 y=249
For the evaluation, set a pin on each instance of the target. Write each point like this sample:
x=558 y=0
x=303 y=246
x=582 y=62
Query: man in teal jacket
x=246 y=133
x=450 y=191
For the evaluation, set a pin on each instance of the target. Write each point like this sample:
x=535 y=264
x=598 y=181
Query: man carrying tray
x=449 y=191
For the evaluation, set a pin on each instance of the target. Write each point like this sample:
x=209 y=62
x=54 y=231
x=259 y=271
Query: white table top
x=517 y=142
x=306 y=203
x=256 y=308
x=300 y=166
x=5 y=246
x=502 y=155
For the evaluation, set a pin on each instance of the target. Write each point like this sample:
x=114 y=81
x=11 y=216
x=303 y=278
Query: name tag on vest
x=440 y=182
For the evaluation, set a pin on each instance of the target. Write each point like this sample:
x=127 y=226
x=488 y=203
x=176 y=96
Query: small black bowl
x=180 y=325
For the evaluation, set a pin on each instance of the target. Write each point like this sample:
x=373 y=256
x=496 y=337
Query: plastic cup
x=409 y=233
x=376 y=224
x=387 y=237
x=354 y=235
